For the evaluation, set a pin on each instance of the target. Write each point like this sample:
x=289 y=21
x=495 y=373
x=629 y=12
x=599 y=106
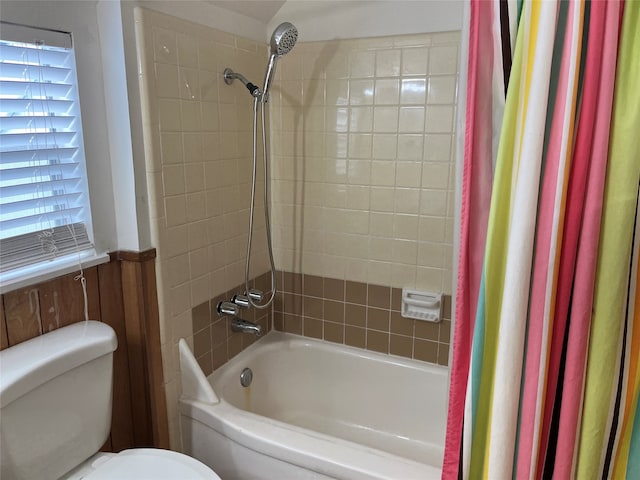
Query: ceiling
x=261 y=10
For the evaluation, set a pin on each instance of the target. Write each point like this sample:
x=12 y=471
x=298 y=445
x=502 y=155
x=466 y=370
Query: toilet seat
x=148 y=464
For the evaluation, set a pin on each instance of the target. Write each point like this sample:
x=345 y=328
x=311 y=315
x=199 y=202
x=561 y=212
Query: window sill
x=30 y=275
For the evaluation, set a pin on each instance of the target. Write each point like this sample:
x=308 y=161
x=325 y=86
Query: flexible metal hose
x=273 y=291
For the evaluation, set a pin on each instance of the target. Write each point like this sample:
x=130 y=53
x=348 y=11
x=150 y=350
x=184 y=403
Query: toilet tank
x=55 y=400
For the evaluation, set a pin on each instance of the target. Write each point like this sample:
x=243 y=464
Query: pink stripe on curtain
x=582 y=301
x=540 y=318
x=477 y=182
x=574 y=209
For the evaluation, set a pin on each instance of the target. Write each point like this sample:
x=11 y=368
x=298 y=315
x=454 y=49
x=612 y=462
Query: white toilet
x=55 y=413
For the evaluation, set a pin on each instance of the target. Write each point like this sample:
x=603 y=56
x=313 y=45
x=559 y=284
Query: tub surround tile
x=278 y=321
x=219 y=332
x=355 y=315
x=396 y=299
x=292 y=324
x=385 y=165
x=356 y=292
x=213 y=341
x=333 y=289
x=333 y=311
x=293 y=303
x=378 y=319
x=377 y=341
x=355 y=337
x=206 y=363
x=445 y=331
x=292 y=282
x=401 y=346
x=427 y=330
x=378 y=296
x=374 y=102
x=234 y=346
x=313 y=307
x=443 y=354
x=360 y=315
x=201 y=316
x=425 y=350
x=313 y=286
x=401 y=325
x=202 y=341
x=197 y=142
x=313 y=328
x=334 y=332
x=446 y=306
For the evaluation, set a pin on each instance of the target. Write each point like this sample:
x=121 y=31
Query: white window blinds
x=44 y=202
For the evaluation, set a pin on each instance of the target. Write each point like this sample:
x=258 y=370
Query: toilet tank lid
x=36 y=361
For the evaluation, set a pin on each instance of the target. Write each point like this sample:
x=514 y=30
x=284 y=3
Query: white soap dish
x=426 y=306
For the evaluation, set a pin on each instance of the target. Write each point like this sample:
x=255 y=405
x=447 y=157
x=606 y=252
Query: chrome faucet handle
x=256 y=295
x=241 y=301
x=227 y=308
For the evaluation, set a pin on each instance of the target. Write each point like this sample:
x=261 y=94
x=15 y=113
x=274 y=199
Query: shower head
x=283 y=39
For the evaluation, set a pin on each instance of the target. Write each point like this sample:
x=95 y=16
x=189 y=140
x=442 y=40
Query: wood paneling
x=121 y=293
x=62 y=301
x=134 y=321
x=143 y=332
x=158 y=399
x=40 y=308
x=112 y=313
x=22 y=314
x=4 y=340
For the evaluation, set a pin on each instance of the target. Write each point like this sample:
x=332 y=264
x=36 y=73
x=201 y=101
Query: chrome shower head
x=283 y=39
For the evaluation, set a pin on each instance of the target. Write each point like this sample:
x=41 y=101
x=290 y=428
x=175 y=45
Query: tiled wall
x=360 y=315
x=363 y=164
x=362 y=179
x=213 y=341
x=197 y=140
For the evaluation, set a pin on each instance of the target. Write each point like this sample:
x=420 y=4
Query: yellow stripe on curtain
x=616 y=233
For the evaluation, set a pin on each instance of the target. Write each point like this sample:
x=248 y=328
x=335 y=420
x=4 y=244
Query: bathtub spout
x=239 y=325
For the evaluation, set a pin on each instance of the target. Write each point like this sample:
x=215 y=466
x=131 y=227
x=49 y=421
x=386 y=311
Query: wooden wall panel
x=22 y=314
x=62 y=300
x=154 y=357
x=40 y=308
x=4 y=340
x=136 y=349
x=112 y=313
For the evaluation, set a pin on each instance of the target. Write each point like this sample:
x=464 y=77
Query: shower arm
x=230 y=76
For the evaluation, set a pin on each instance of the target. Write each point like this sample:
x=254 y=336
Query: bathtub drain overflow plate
x=246 y=377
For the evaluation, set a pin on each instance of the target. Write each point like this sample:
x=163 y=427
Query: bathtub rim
x=286 y=442
x=296 y=445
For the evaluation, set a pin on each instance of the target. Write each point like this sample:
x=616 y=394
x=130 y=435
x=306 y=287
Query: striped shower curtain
x=546 y=362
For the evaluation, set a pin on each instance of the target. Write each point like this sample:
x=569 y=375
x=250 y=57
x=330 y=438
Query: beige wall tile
x=443 y=59
x=413 y=91
x=387 y=91
x=414 y=60
x=384 y=146
x=388 y=63
x=361 y=63
x=201 y=159
x=361 y=134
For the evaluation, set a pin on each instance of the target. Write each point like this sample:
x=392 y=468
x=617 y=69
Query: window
x=44 y=201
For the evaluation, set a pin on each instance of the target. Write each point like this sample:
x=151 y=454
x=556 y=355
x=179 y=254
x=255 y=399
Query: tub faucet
x=244 y=326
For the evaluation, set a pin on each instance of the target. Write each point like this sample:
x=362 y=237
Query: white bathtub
x=316 y=410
